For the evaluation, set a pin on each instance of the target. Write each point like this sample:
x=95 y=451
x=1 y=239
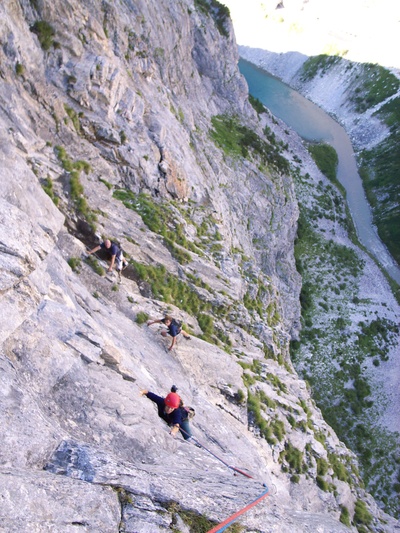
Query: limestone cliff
x=115 y=121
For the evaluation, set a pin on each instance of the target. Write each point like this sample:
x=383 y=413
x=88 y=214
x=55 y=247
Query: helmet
x=172 y=400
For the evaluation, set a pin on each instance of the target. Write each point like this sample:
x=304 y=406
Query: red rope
x=223 y=525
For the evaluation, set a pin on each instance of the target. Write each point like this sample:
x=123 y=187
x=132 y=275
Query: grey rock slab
x=41 y=502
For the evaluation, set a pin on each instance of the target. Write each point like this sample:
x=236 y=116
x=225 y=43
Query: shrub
x=19 y=69
x=206 y=323
x=141 y=317
x=345 y=516
x=48 y=189
x=240 y=396
x=219 y=12
x=237 y=140
x=339 y=468
x=160 y=219
x=278 y=429
x=106 y=183
x=74 y=118
x=318 y=64
x=294 y=457
x=197 y=523
x=322 y=466
x=45 y=33
x=169 y=288
x=257 y=104
x=74 y=263
x=326 y=159
x=361 y=513
x=95 y=265
x=322 y=484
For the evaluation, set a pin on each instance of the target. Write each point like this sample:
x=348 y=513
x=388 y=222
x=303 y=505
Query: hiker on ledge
x=174 y=328
x=115 y=253
x=172 y=411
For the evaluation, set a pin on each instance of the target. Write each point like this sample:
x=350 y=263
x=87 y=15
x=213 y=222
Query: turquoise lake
x=313 y=124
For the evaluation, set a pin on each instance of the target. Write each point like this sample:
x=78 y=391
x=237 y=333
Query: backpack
x=187 y=412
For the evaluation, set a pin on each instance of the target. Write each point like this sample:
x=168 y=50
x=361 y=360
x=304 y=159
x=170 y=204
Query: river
x=313 y=124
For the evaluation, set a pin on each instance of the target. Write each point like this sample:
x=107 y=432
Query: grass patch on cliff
x=48 y=188
x=238 y=140
x=219 y=12
x=374 y=85
x=168 y=288
x=326 y=159
x=76 y=190
x=169 y=220
x=318 y=65
x=160 y=219
x=154 y=281
x=45 y=33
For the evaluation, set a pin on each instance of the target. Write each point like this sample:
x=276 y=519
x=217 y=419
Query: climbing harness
x=226 y=523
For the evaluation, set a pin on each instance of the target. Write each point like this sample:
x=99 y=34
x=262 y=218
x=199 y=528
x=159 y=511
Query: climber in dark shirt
x=115 y=253
x=174 y=328
x=172 y=411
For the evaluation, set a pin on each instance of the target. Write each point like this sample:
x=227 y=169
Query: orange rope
x=223 y=525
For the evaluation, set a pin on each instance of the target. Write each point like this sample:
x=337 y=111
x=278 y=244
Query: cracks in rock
x=228 y=412
x=4 y=249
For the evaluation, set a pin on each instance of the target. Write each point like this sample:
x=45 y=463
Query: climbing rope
x=226 y=523
x=216 y=456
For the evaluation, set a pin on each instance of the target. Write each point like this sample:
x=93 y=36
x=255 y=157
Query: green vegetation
x=219 y=12
x=339 y=468
x=159 y=218
x=318 y=65
x=329 y=298
x=73 y=115
x=292 y=460
x=374 y=85
x=141 y=317
x=75 y=263
x=238 y=140
x=257 y=104
x=380 y=171
x=197 y=523
x=95 y=265
x=322 y=484
x=326 y=158
x=169 y=288
x=240 y=396
x=19 y=69
x=49 y=190
x=106 y=183
x=45 y=34
x=254 y=405
x=361 y=514
x=345 y=516
x=76 y=188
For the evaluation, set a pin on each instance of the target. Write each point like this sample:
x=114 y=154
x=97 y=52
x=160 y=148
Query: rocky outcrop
x=98 y=100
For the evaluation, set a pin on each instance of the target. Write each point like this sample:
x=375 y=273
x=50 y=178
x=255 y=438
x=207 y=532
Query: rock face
x=99 y=100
